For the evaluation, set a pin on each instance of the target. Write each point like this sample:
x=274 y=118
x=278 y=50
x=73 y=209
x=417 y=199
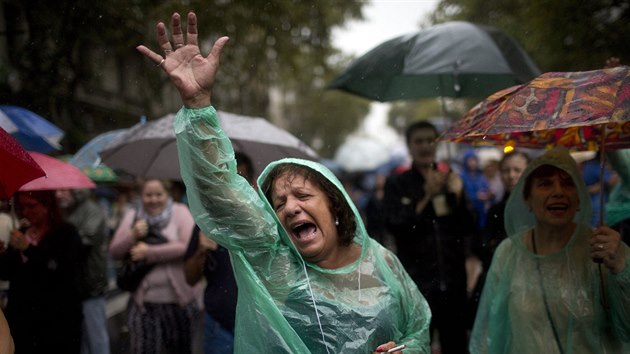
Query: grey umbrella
x=452 y=59
x=149 y=150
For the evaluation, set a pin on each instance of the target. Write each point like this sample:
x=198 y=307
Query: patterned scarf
x=161 y=220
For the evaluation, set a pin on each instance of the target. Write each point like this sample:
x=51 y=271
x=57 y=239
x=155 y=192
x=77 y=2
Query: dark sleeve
x=398 y=205
x=193 y=244
x=465 y=220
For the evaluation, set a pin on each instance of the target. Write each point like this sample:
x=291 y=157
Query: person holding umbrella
x=309 y=277
x=42 y=263
x=543 y=290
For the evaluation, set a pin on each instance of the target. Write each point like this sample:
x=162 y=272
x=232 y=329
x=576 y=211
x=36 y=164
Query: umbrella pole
x=13 y=213
x=602 y=186
x=448 y=120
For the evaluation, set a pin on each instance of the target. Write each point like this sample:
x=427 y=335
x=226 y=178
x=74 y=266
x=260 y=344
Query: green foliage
x=58 y=48
x=560 y=35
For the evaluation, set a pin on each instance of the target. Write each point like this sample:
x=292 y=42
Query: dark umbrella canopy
x=452 y=59
x=150 y=150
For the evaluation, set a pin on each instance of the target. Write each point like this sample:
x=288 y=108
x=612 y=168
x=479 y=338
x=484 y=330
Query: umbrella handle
x=602 y=186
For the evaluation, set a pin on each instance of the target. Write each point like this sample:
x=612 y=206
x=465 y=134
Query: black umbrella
x=452 y=59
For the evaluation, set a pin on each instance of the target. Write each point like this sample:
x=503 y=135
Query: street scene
x=430 y=176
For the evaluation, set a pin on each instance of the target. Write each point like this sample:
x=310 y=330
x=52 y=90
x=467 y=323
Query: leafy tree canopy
x=281 y=44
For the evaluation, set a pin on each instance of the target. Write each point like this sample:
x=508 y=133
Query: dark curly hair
x=338 y=203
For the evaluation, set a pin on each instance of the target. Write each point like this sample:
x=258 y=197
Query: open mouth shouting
x=303 y=232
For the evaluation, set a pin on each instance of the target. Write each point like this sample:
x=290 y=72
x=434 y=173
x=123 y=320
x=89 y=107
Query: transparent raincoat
x=287 y=305
x=618 y=206
x=512 y=317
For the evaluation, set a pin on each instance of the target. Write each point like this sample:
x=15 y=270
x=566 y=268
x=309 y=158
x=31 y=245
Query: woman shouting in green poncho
x=310 y=279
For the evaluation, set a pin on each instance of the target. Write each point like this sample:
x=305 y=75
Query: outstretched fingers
x=217 y=48
x=156 y=58
x=191 y=36
x=176 y=28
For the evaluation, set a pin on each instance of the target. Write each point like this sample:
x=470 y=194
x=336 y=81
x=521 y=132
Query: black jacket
x=432 y=248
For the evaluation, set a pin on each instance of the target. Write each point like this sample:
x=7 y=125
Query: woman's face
x=154 y=197
x=553 y=199
x=34 y=211
x=511 y=171
x=304 y=211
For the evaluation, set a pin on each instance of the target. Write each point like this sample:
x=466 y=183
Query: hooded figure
x=552 y=302
x=618 y=206
x=287 y=304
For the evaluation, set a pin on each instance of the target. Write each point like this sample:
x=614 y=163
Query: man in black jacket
x=427 y=213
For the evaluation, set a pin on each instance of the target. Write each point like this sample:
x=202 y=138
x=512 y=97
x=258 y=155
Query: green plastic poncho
x=512 y=317
x=287 y=305
x=618 y=206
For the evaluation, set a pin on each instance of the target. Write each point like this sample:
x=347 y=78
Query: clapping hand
x=192 y=73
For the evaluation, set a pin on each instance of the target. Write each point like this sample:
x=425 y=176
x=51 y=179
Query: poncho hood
x=618 y=206
x=518 y=217
x=360 y=233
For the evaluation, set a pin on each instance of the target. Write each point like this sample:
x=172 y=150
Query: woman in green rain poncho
x=310 y=279
x=543 y=292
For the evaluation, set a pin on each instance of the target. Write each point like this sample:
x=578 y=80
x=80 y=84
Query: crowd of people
x=504 y=256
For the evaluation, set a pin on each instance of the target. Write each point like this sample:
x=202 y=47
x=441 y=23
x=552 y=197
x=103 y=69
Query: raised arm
x=192 y=74
x=224 y=205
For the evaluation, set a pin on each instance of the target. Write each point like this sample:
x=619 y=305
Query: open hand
x=192 y=73
x=606 y=244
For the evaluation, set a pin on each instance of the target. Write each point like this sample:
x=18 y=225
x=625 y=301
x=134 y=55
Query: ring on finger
x=179 y=45
x=161 y=62
x=600 y=246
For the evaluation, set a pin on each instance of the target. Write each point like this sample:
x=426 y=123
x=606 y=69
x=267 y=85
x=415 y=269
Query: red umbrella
x=59 y=175
x=18 y=167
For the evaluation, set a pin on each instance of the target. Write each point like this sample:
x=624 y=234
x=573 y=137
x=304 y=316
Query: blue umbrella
x=88 y=158
x=89 y=154
x=32 y=131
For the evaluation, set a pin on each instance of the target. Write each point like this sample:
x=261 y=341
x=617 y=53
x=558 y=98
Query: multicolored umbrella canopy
x=556 y=108
x=586 y=110
x=18 y=167
x=451 y=59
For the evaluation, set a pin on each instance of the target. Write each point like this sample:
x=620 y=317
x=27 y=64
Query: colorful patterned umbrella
x=556 y=108
x=586 y=110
